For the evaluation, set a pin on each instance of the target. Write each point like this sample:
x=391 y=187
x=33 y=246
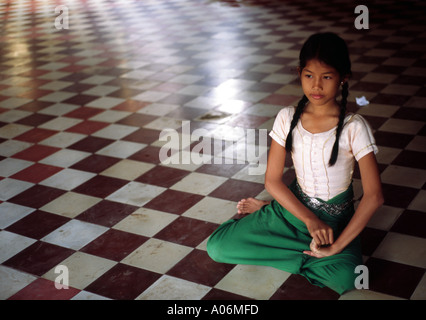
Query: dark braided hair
x=330 y=49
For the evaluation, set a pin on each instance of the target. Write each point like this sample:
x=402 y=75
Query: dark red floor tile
x=91 y=144
x=375 y=122
x=407 y=79
x=148 y=154
x=412 y=223
x=34 y=94
x=78 y=87
x=186 y=113
x=368 y=86
x=173 y=201
x=43 y=289
x=84 y=113
x=407 y=113
x=389 y=69
x=169 y=87
x=392 y=140
x=162 y=176
x=217 y=294
x=247 y=121
x=208 y=147
x=123 y=282
x=223 y=170
x=397 y=196
x=35 y=120
x=174 y=98
x=36 y=173
x=107 y=213
x=124 y=93
x=35 y=153
x=39 y=258
x=265 y=87
x=181 y=231
x=412 y=159
x=37 y=224
x=296 y=287
x=235 y=190
x=143 y=135
x=88 y=127
x=37 y=196
x=35 y=135
x=393 y=278
x=280 y=99
x=114 y=244
x=73 y=68
x=197 y=267
x=131 y=106
x=392 y=99
x=80 y=99
x=370 y=240
x=35 y=106
x=100 y=186
x=137 y=120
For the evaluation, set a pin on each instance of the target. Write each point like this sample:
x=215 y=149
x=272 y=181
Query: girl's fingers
x=317 y=240
x=327 y=237
x=314 y=246
x=330 y=237
x=323 y=238
x=309 y=253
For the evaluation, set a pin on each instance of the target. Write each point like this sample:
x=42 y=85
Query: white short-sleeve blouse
x=311 y=153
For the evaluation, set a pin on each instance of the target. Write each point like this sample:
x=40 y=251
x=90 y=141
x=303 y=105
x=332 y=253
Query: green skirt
x=273 y=237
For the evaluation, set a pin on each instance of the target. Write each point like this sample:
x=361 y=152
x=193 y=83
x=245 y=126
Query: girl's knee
x=219 y=242
x=340 y=277
x=213 y=249
x=343 y=278
x=216 y=247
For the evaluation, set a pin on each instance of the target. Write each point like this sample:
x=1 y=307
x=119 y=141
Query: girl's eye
x=327 y=78
x=308 y=76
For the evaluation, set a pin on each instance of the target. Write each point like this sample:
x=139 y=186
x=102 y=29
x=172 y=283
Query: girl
x=311 y=227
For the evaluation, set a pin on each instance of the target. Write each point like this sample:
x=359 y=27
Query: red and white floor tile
x=82 y=109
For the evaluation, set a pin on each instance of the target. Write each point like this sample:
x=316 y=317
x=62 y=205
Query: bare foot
x=250 y=205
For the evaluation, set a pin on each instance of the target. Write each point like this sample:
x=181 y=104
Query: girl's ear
x=344 y=79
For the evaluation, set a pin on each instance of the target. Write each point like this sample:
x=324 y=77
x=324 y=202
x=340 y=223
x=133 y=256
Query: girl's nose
x=317 y=84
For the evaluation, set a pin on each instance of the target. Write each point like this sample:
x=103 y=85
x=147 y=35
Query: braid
x=335 y=151
x=296 y=117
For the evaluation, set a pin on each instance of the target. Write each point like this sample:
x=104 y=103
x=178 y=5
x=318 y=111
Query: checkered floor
x=82 y=109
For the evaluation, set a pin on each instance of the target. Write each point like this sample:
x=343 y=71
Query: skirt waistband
x=333 y=207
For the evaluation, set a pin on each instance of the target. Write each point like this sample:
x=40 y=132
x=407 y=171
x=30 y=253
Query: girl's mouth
x=316 y=96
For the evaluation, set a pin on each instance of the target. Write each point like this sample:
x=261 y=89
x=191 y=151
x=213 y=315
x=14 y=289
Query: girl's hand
x=321 y=232
x=320 y=252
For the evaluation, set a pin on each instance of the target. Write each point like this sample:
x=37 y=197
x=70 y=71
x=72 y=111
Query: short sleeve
x=362 y=139
x=282 y=125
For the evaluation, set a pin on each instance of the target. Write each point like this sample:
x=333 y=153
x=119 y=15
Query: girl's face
x=320 y=83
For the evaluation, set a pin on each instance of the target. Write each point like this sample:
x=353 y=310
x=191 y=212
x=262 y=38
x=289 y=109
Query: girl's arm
x=319 y=230
x=370 y=202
